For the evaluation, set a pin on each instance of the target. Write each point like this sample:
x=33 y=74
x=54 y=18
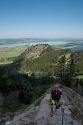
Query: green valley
x=7 y=55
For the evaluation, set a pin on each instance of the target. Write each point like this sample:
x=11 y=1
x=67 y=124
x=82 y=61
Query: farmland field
x=7 y=55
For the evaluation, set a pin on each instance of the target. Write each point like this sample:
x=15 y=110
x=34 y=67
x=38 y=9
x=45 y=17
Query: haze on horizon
x=41 y=18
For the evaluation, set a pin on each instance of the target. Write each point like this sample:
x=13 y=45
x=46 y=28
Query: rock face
x=33 y=52
x=40 y=115
x=76 y=102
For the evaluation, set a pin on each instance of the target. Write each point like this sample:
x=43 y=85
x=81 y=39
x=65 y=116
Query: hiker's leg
x=51 y=107
x=51 y=113
x=58 y=104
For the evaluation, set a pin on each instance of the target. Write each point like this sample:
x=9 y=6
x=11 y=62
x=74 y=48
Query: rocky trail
x=40 y=115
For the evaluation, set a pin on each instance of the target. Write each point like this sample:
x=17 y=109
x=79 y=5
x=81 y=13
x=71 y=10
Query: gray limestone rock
x=40 y=115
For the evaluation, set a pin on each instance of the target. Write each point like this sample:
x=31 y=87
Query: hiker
x=55 y=98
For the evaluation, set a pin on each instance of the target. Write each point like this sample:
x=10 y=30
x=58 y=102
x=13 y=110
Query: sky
x=41 y=18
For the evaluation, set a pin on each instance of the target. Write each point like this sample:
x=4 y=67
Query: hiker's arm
x=61 y=98
x=50 y=97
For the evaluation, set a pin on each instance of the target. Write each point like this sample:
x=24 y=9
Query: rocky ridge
x=40 y=114
x=33 y=52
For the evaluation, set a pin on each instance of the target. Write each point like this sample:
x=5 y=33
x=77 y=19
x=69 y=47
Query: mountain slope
x=40 y=59
x=33 y=52
x=78 y=57
x=43 y=58
x=47 y=62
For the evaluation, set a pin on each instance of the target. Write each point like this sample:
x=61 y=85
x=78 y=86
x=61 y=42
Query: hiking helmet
x=56 y=86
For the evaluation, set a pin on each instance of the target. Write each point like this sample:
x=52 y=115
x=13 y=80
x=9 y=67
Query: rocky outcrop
x=33 y=52
x=76 y=102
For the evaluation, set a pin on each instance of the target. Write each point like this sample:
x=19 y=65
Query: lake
x=77 y=48
x=34 y=43
x=75 y=44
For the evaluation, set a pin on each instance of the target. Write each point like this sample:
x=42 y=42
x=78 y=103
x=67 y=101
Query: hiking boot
x=51 y=114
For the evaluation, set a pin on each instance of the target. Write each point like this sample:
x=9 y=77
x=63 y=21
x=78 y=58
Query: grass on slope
x=80 y=76
x=7 y=55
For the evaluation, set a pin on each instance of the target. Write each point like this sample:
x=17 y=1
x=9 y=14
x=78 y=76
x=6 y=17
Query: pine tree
x=61 y=72
x=67 y=71
x=71 y=70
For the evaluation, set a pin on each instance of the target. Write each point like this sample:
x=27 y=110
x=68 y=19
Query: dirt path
x=40 y=115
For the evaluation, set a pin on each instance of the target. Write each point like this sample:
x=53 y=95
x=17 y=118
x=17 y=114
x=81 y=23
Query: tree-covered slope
x=44 y=61
x=78 y=57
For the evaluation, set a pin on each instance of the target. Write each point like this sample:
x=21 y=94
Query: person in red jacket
x=55 y=97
